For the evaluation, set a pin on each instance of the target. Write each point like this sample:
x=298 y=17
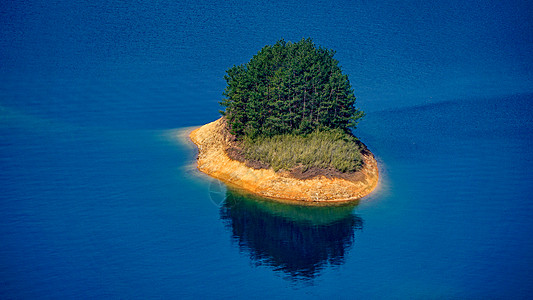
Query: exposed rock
x=214 y=140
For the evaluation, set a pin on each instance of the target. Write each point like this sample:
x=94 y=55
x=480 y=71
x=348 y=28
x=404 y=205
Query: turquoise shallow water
x=98 y=198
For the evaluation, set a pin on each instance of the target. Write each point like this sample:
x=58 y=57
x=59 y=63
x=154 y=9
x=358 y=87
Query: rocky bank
x=213 y=140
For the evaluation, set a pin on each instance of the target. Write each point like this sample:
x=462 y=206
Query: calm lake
x=99 y=196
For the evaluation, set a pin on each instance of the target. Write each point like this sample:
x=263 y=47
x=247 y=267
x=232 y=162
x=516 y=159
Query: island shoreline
x=212 y=141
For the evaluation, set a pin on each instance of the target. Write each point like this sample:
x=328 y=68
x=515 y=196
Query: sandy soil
x=213 y=140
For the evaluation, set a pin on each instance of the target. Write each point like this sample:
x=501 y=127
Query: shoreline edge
x=212 y=139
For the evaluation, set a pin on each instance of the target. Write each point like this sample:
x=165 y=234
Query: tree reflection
x=297 y=240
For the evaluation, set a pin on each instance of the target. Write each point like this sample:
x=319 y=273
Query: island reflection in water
x=299 y=241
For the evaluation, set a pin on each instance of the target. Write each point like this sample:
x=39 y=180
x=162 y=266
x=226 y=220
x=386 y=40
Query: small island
x=286 y=131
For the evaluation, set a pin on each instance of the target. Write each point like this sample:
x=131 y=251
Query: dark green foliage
x=289 y=88
x=332 y=149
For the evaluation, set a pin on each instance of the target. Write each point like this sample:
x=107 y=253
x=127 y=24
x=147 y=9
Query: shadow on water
x=299 y=241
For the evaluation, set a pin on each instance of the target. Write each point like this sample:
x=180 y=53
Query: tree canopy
x=289 y=88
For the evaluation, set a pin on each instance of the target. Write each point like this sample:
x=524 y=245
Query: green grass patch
x=321 y=149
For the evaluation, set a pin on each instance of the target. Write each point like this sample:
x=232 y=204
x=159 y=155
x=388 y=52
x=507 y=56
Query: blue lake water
x=99 y=197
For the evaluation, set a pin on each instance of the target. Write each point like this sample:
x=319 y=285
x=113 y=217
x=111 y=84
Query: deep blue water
x=99 y=198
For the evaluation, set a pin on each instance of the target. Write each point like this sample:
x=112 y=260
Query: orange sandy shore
x=212 y=140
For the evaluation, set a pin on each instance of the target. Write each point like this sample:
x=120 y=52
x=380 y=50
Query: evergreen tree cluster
x=289 y=88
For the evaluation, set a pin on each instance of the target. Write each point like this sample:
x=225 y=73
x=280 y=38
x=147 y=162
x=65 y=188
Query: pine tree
x=289 y=88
